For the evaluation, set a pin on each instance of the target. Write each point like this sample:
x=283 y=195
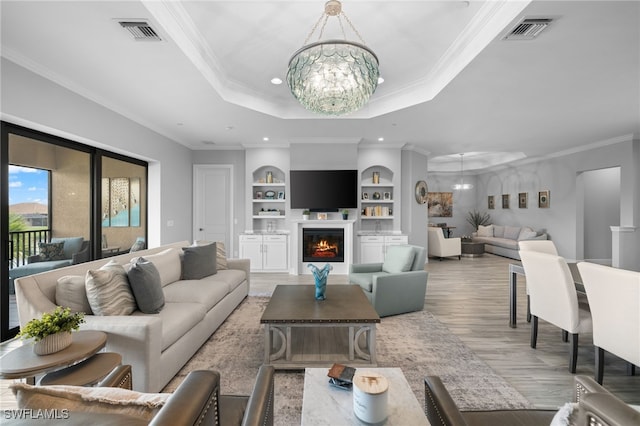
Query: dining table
x=516 y=269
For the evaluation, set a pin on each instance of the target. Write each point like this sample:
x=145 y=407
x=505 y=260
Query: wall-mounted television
x=323 y=190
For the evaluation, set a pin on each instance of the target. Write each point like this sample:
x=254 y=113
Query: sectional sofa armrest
x=242 y=265
x=365 y=267
x=194 y=402
x=259 y=410
x=34 y=259
x=440 y=408
x=138 y=338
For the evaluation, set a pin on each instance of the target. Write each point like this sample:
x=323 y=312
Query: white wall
x=559 y=175
x=463 y=201
x=601 y=211
x=32 y=101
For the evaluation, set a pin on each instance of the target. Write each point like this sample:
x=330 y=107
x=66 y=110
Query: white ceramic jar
x=370 y=396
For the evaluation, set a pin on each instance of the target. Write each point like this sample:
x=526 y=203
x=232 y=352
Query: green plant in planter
x=345 y=213
x=475 y=218
x=59 y=320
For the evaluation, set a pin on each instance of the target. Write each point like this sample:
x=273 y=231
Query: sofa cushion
x=177 y=320
x=51 y=251
x=144 y=280
x=108 y=290
x=72 y=245
x=498 y=231
x=233 y=277
x=198 y=261
x=511 y=232
x=527 y=234
x=363 y=279
x=503 y=242
x=485 y=231
x=71 y=293
x=89 y=399
x=398 y=259
x=207 y=291
x=168 y=264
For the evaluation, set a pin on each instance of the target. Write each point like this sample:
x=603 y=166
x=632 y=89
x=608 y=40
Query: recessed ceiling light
x=276 y=80
x=266 y=139
x=180 y=124
x=380 y=80
x=380 y=139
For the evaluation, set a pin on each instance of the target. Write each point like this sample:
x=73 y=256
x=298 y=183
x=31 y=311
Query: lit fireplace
x=322 y=245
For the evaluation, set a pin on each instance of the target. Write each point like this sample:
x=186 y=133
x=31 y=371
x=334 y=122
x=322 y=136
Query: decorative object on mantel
x=52 y=332
x=345 y=214
x=306 y=214
x=333 y=77
x=320 y=276
x=421 y=192
x=321 y=216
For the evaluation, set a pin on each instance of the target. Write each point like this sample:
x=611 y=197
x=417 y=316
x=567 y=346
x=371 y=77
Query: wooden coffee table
x=301 y=331
x=22 y=362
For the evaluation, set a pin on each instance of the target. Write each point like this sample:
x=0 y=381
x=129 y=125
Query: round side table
x=470 y=249
x=23 y=363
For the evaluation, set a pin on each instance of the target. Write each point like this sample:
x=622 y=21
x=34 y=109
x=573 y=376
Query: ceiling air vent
x=140 y=30
x=528 y=29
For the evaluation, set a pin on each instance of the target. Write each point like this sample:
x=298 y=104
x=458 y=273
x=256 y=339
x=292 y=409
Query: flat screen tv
x=323 y=190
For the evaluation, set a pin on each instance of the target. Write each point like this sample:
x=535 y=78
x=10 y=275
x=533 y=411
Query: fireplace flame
x=324 y=249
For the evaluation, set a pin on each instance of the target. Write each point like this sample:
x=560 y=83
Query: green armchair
x=396 y=286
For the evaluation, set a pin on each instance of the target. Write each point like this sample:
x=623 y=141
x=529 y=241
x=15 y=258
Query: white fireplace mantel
x=298 y=266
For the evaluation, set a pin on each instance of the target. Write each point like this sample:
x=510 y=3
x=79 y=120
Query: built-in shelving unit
x=268 y=201
x=376 y=195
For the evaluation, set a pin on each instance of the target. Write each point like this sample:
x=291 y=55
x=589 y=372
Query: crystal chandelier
x=333 y=77
x=461 y=185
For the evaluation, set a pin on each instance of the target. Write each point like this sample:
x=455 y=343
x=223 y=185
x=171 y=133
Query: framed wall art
x=543 y=199
x=505 y=201
x=522 y=200
x=491 y=202
x=440 y=204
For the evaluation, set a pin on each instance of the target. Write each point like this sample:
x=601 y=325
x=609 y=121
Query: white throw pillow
x=89 y=399
x=485 y=231
x=71 y=293
x=108 y=290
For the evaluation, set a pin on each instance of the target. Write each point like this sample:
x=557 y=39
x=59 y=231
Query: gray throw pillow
x=144 y=280
x=108 y=290
x=199 y=261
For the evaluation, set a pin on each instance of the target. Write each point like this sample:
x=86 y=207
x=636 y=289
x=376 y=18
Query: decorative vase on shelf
x=320 y=276
x=53 y=343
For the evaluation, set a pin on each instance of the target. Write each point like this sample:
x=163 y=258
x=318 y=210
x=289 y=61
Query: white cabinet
x=266 y=252
x=373 y=248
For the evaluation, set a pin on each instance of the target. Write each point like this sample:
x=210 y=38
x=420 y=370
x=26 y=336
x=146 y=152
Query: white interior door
x=213 y=204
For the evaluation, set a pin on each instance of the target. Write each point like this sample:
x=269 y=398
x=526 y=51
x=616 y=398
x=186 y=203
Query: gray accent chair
x=596 y=406
x=196 y=401
x=393 y=293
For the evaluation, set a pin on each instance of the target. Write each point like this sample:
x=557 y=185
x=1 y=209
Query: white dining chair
x=554 y=299
x=614 y=297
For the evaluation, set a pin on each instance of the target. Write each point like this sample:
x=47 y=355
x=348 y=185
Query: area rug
x=417 y=343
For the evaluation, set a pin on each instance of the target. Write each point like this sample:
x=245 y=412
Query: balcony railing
x=23 y=244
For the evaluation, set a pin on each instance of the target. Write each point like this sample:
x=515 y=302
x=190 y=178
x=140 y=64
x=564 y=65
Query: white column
x=625 y=252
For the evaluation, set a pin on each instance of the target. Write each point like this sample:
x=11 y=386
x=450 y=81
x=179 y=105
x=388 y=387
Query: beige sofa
x=157 y=346
x=503 y=240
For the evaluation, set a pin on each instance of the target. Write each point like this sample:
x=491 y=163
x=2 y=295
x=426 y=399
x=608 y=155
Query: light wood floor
x=471 y=297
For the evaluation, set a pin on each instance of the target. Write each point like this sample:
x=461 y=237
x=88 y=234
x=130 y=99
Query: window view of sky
x=28 y=185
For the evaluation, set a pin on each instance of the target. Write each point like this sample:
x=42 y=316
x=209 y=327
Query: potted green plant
x=345 y=214
x=475 y=218
x=52 y=332
x=305 y=214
